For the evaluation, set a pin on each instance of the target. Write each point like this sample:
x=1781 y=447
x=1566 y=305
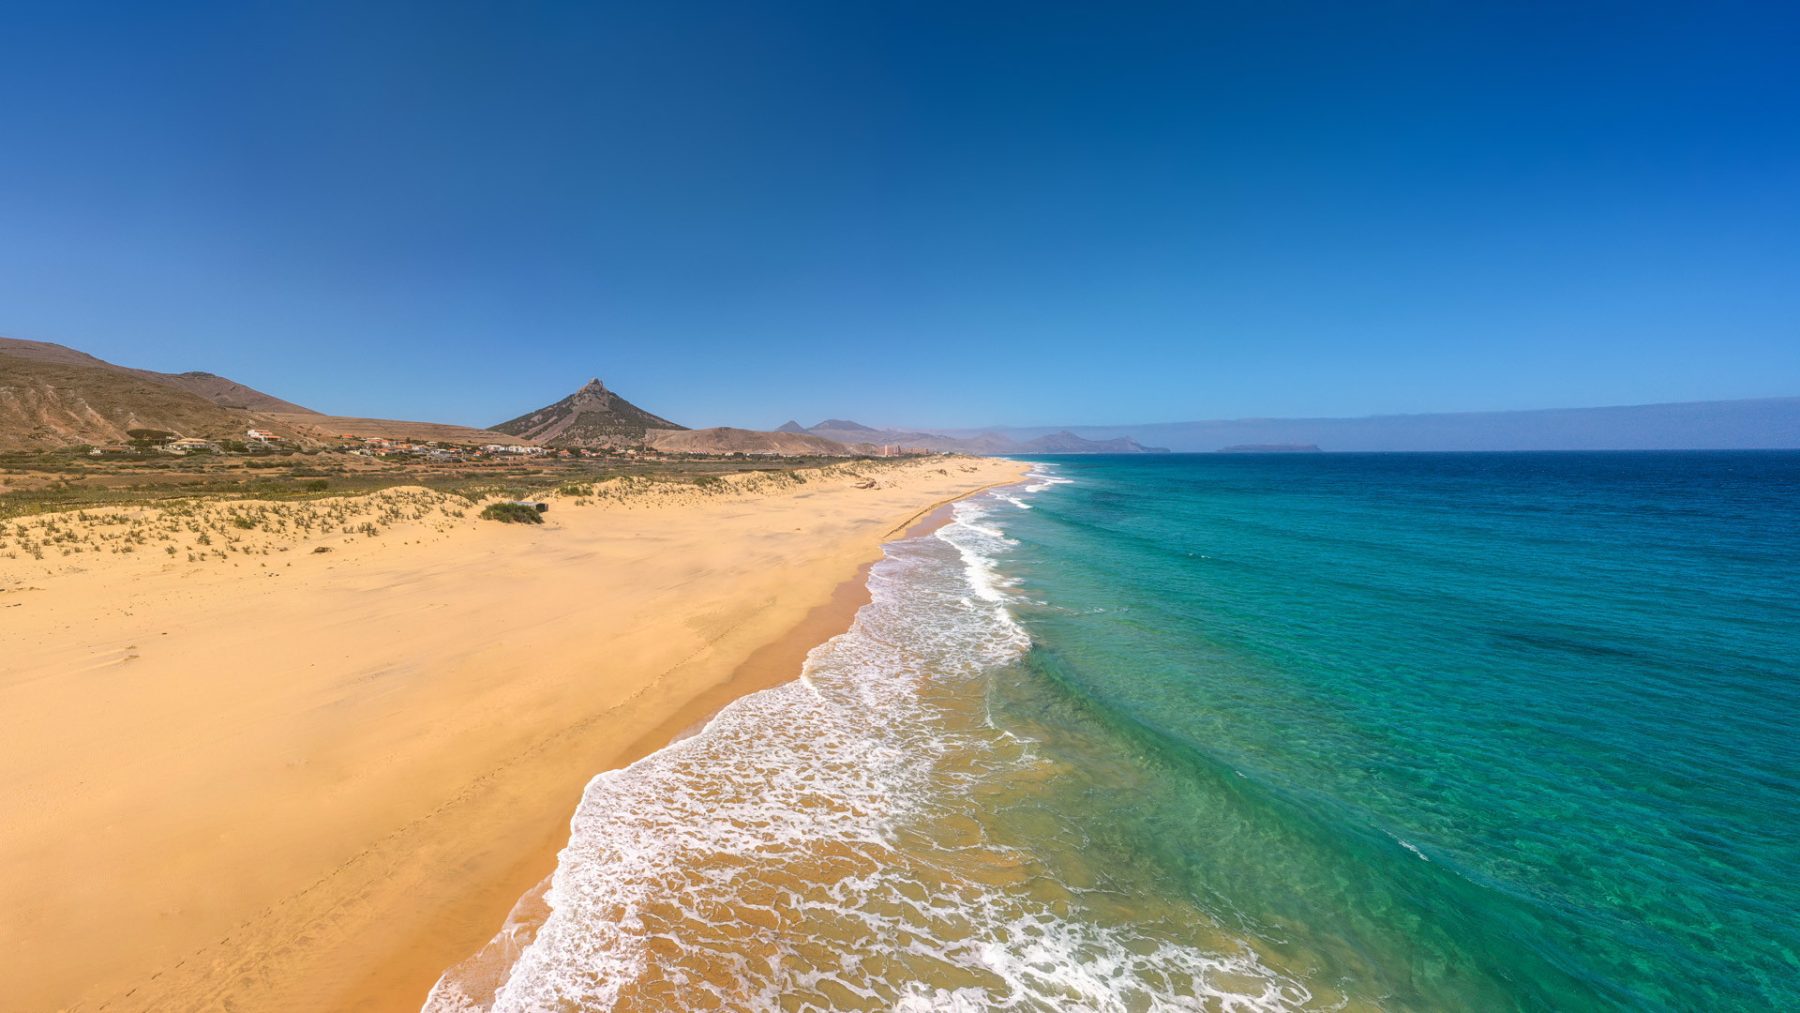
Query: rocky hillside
x=222 y=391
x=592 y=418
x=53 y=396
x=225 y=392
x=47 y=404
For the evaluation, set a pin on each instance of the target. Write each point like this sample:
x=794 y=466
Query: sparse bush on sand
x=511 y=513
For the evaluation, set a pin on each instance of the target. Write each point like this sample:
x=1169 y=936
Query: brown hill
x=725 y=440
x=47 y=403
x=225 y=392
x=53 y=396
x=222 y=391
x=592 y=417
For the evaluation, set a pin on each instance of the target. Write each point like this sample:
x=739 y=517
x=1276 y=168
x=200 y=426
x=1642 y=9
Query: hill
x=225 y=392
x=725 y=440
x=53 y=396
x=49 y=403
x=221 y=391
x=592 y=418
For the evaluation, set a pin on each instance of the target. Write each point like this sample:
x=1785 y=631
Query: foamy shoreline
x=288 y=779
x=485 y=969
x=846 y=840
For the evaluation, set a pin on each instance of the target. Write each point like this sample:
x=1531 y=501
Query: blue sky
x=955 y=214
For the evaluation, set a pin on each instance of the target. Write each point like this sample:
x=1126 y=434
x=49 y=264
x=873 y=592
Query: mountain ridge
x=52 y=404
x=222 y=391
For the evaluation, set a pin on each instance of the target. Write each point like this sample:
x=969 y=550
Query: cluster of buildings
x=258 y=440
x=376 y=446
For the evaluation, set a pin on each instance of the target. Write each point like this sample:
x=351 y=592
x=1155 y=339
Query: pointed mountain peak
x=592 y=417
x=790 y=426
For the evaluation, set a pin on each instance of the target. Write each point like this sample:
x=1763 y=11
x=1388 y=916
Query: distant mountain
x=725 y=440
x=790 y=426
x=1065 y=442
x=845 y=425
x=845 y=431
x=1761 y=423
x=592 y=418
x=219 y=390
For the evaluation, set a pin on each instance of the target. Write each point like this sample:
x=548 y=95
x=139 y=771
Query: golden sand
x=245 y=774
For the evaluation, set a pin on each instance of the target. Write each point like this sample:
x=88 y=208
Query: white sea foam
x=1043 y=476
x=820 y=845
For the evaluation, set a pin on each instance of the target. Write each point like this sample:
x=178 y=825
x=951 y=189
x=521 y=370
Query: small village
x=260 y=442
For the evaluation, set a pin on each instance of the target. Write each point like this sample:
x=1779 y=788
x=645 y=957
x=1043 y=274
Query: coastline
x=779 y=660
x=771 y=665
x=352 y=864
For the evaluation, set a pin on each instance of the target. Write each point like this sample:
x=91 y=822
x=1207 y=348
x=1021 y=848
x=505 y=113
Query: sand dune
x=239 y=772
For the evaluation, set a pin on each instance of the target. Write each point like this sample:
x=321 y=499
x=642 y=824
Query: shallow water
x=1211 y=732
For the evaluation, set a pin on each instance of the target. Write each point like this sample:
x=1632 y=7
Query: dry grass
x=222 y=528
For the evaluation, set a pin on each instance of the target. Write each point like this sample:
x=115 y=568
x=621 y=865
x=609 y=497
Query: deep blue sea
x=1222 y=732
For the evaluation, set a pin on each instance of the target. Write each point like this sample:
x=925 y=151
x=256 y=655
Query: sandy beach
x=306 y=756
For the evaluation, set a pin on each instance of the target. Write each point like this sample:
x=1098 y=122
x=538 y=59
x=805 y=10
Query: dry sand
x=248 y=775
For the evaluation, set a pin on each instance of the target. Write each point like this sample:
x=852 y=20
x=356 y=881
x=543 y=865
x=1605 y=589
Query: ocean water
x=1483 y=731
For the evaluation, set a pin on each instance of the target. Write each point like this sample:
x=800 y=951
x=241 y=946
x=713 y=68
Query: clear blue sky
x=955 y=214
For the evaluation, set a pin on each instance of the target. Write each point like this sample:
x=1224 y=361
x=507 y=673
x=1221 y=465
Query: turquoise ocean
x=1241 y=732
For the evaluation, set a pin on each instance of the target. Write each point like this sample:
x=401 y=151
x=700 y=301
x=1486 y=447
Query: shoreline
x=774 y=664
x=308 y=838
x=762 y=669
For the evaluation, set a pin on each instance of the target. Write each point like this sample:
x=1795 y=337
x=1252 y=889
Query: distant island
x=1271 y=448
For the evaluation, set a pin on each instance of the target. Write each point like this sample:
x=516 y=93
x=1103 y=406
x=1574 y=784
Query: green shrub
x=315 y=485
x=511 y=513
